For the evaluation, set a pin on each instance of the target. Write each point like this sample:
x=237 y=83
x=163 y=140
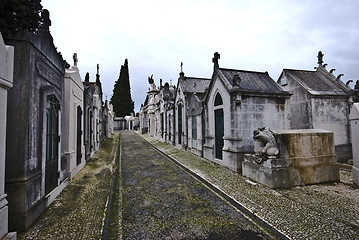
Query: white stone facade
x=74 y=149
x=6 y=82
x=354 y=123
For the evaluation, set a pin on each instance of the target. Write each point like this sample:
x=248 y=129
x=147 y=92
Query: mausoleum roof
x=317 y=82
x=251 y=81
x=195 y=85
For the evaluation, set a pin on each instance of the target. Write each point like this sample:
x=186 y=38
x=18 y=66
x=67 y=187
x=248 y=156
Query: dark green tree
x=356 y=91
x=20 y=15
x=121 y=97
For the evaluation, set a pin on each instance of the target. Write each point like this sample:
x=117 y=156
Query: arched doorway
x=219 y=126
x=52 y=143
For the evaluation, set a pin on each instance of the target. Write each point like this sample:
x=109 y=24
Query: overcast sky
x=156 y=36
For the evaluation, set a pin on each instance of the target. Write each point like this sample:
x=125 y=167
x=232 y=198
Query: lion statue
x=269 y=148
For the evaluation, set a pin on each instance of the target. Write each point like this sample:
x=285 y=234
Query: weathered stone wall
x=331 y=113
x=38 y=73
x=194 y=108
x=254 y=112
x=298 y=105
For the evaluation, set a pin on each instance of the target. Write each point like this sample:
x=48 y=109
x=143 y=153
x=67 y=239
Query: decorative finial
x=181 y=66
x=45 y=15
x=320 y=57
x=75 y=59
x=98 y=74
x=87 y=77
x=150 y=79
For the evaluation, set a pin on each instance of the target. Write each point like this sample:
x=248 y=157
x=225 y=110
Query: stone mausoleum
x=320 y=100
x=35 y=171
x=236 y=103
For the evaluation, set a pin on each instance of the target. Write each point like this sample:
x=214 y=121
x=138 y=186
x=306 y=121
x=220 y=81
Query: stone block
x=306 y=156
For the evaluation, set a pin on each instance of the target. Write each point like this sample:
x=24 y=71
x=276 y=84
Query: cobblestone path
x=161 y=201
x=78 y=212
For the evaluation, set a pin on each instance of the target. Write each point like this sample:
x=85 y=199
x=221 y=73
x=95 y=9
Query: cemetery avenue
x=153 y=198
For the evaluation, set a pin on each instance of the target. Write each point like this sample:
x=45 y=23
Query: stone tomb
x=306 y=156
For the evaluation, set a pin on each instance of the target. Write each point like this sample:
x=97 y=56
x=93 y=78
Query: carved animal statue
x=269 y=148
x=150 y=79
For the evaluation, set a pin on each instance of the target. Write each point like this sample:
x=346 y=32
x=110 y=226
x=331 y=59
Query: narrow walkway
x=161 y=201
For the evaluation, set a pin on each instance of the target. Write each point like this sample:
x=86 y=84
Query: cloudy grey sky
x=156 y=36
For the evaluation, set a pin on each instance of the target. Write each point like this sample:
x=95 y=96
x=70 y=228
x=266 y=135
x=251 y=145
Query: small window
x=218 y=100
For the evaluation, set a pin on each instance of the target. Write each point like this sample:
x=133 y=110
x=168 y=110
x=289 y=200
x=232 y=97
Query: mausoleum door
x=219 y=133
x=179 y=124
x=162 y=121
x=79 y=134
x=52 y=143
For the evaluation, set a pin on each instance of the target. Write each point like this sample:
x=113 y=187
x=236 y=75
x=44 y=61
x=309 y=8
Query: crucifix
x=75 y=59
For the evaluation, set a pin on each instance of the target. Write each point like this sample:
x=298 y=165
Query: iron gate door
x=219 y=132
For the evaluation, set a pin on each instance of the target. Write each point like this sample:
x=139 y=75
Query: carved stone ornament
x=269 y=149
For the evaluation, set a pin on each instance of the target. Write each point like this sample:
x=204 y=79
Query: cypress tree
x=20 y=15
x=121 y=97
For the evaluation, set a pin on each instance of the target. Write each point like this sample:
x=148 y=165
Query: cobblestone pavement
x=78 y=212
x=162 y=201
x=322 y=211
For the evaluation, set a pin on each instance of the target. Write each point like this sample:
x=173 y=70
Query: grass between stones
x=112 y=229
x=78 y=211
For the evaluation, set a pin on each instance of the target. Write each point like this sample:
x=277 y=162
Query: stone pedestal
x=305 y=157
x=354 y=124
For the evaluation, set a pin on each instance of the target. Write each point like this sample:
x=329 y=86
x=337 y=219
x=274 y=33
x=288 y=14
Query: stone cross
x=75 y=59
x=215 y=59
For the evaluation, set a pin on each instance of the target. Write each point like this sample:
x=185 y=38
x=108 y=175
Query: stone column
x=354 y=124
x=6 y=82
